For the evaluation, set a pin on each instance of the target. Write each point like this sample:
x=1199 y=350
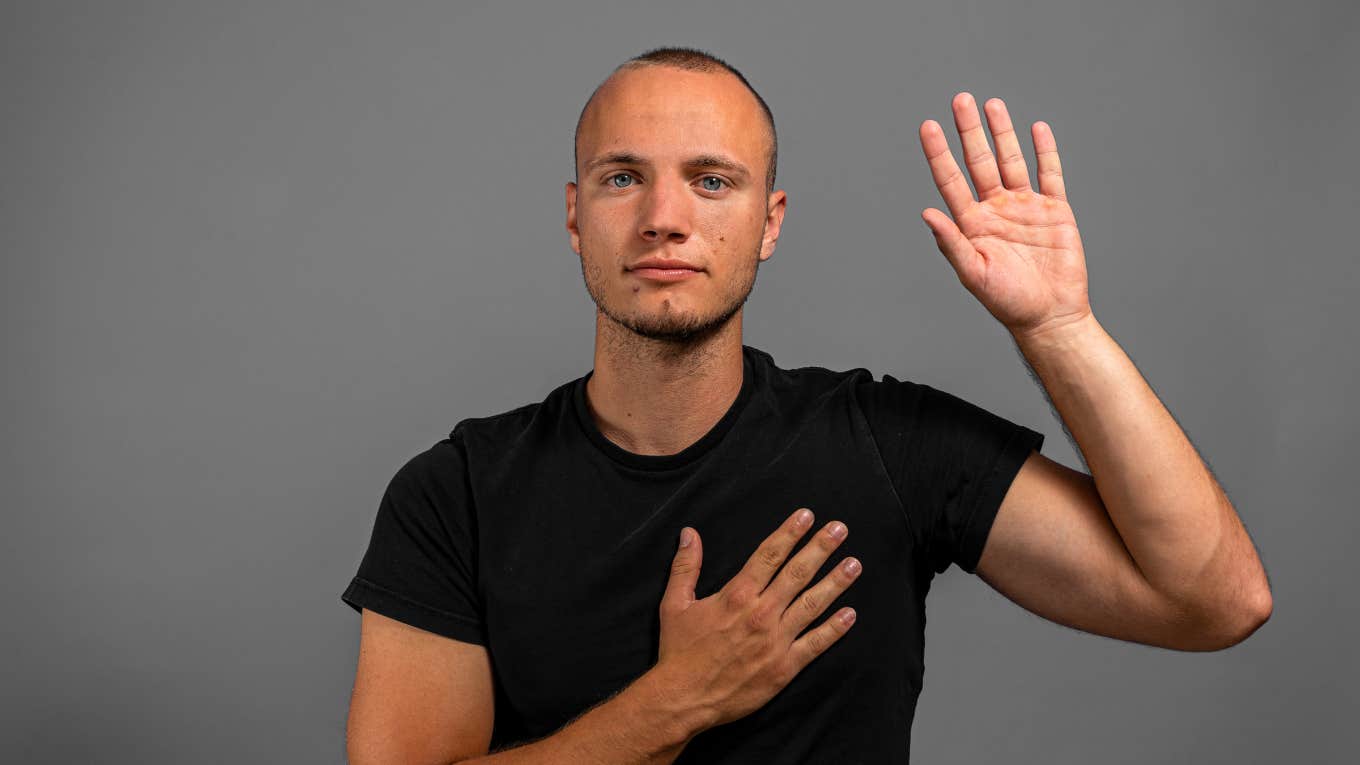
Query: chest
x=572 y=571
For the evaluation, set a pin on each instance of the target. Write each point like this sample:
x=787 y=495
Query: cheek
x=613 y=232
x=738 y=226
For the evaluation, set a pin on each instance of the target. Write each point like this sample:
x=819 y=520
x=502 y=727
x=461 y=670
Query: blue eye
x=629 y=176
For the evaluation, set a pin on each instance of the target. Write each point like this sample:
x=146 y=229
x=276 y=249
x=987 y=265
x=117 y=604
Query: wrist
x=1068 y=335
x=660 y=699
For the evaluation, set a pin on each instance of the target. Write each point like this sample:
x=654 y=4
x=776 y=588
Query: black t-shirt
x=531 y=533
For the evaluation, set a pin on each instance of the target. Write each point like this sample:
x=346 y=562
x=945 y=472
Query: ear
x=571 y=218
x=774 y=219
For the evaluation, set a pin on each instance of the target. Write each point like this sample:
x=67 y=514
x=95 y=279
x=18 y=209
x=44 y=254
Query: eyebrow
x=702 y=160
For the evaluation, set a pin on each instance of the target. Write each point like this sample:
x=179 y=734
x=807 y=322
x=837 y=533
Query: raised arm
x=1146 y=548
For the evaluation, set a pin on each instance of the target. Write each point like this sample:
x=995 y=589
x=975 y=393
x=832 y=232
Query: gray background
x=258 y=255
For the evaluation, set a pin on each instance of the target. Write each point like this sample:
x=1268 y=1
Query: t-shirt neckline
x=666 y=461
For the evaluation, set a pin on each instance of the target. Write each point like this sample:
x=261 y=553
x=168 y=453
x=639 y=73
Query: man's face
x=659 y=203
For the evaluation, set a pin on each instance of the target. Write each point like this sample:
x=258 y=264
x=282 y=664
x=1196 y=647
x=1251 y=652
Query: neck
x=656 y=397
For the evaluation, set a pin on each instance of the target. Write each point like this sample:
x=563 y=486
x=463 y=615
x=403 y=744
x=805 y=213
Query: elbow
x=1249 y=618
x=1262 y=606
x=1204 y=629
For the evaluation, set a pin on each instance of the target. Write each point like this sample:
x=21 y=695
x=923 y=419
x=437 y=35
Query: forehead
x=665 y=113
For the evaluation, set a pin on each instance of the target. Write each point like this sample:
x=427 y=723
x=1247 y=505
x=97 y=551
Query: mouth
x=664 y=274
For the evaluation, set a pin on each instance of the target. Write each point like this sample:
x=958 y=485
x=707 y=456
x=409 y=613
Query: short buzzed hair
x=694 y=60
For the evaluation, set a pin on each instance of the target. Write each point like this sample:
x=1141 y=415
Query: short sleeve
x=420 y=565
x=951 y=461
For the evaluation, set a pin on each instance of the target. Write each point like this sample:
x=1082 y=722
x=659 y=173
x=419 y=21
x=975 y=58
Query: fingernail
x=804 y=517
x=685 y=538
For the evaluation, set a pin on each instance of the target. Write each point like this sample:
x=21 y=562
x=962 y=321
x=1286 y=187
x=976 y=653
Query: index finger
x=760 y=568
x=948 y=178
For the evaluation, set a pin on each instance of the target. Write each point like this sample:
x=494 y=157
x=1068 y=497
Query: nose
x=665 y=213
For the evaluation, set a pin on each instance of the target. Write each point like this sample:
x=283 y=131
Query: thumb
x=689 y=557
x=953 y=244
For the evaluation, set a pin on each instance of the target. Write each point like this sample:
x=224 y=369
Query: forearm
x=640 y=725
x=1177 y=523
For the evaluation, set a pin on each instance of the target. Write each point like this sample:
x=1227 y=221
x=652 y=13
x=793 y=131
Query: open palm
x=1016 y=250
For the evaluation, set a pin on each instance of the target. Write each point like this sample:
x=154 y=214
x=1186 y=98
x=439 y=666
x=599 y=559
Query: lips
x=664 y=264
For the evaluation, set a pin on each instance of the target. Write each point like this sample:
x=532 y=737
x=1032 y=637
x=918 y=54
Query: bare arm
x=636 y=726
x=418 y=697
x=1181 y=532
x=1162 y=554
x=425 y=698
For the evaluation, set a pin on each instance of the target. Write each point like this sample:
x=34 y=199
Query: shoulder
x=500 y=432
x=494 y=426
x=813 y=381
x=442 y=469
x=885 y=402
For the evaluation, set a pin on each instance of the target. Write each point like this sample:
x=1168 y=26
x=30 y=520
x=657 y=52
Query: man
x=523 y=591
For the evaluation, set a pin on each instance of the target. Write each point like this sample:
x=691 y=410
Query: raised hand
x=730 y=653
x=1017 y=251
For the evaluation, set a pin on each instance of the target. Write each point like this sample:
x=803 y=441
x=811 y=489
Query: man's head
x=675 y=158
x=693 y=60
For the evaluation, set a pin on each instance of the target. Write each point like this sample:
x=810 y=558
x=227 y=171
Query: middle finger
x=976 y=153
x=796 y=575
x=1011 y=158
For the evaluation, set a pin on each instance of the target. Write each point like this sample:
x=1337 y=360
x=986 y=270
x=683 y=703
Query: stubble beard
x=667 y=325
